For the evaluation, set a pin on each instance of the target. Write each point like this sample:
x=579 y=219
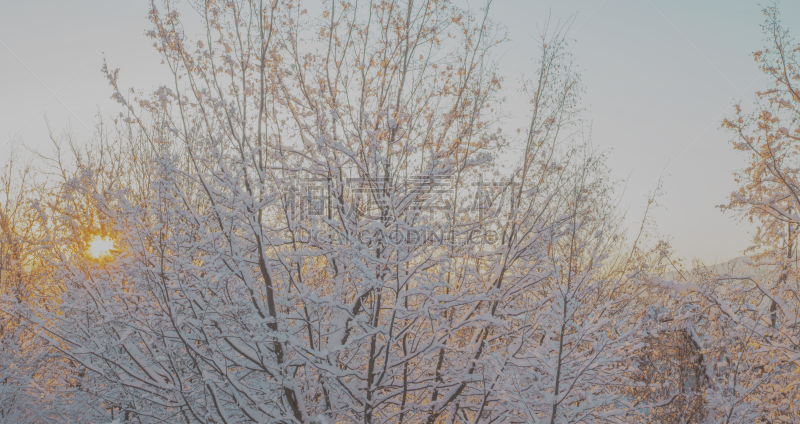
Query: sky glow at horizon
x=659 y=78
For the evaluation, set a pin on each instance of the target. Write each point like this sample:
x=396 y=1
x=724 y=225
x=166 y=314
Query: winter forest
x=325 y=217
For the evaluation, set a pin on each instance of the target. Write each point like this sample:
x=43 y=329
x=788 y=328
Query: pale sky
x=659 y=75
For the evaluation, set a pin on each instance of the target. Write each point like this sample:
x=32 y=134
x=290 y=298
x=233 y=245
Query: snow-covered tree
x=760 y=306
x=37 y=384
x=310 y=225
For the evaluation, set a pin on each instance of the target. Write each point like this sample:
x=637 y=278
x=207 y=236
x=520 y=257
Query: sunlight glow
x=100 y=247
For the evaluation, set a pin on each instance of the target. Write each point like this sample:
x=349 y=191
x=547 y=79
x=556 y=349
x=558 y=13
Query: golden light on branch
x=100 y=247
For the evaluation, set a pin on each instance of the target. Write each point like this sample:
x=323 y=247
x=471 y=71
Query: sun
x=100 y=247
